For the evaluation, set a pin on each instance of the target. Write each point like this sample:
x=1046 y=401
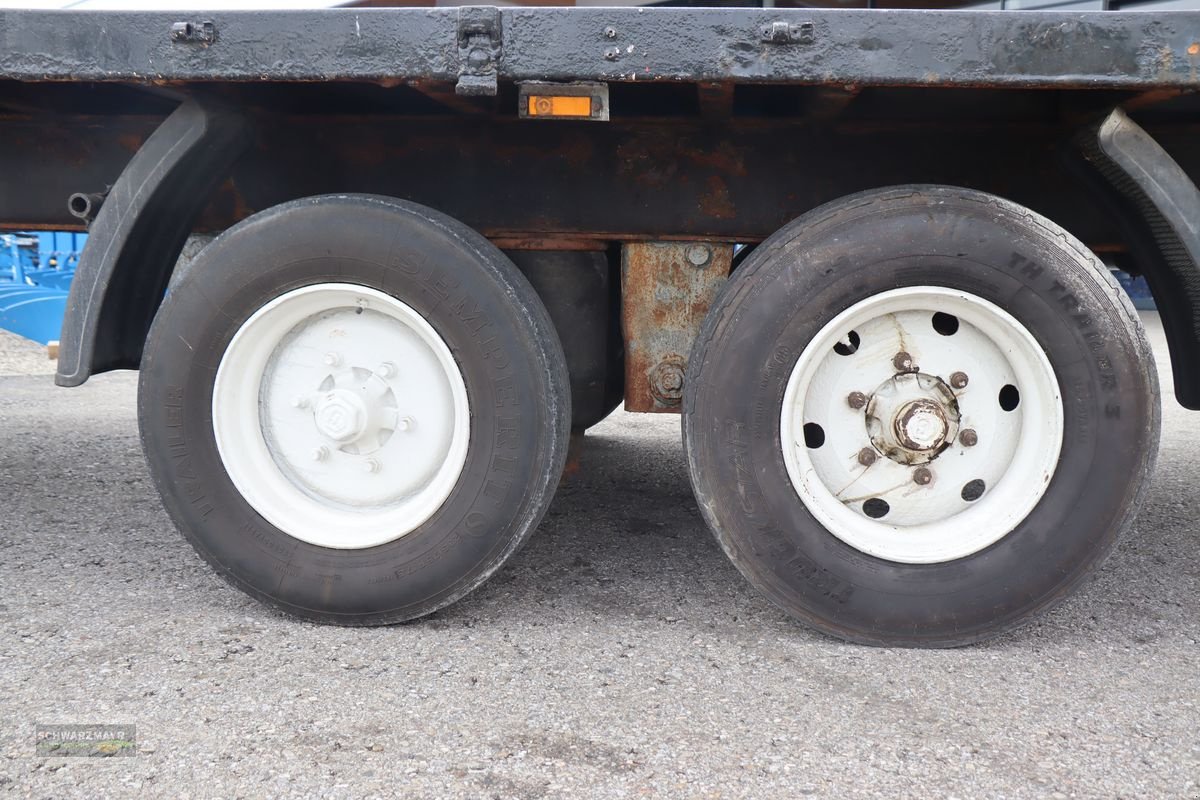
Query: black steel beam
x=738 y=180
x=809 y=46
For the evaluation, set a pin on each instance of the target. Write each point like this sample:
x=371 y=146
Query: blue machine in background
x=35 y=275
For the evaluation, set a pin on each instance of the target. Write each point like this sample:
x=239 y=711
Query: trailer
x=863 y=254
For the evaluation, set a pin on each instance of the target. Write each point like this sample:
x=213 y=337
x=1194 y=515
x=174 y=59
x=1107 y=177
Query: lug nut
x=332 y=359
x=968 y=437
x=299 y=401
x=866 y=456
x=371 y=465
x=902 y=362
x=405 y=424
x=856 y=400
x=958 y=380
x=321 y=453
x=386 y=370
x=922 y=476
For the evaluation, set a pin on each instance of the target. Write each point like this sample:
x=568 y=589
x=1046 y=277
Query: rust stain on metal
x=716 y=201
x=549 y=243
x=666 y=290
x=130 y=141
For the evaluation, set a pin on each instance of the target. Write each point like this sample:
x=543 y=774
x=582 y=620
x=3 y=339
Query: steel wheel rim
x=963 y=437
x=341 y=416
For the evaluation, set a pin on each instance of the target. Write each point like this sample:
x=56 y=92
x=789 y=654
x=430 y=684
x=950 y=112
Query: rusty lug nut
x=968 y=437
x=666 y=382
x=866 y=456
x=922 y=476
x=856 y=399
x=902 y=362
x=958 y=380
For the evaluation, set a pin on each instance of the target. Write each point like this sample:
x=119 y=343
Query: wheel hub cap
x=911 y=417
x=341 y=416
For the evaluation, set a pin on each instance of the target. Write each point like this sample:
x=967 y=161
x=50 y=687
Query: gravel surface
x=617 y=655
x=20 y=356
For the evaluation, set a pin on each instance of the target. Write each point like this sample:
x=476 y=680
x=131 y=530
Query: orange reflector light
x=541 y=105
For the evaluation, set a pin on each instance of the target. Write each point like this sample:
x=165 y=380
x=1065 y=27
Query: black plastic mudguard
x=136 y=237
x=1158 y=207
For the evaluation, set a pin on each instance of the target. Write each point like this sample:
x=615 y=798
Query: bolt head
x=300 y=401
x=320 y=454
x=856 y=400
x=405 y=424
x=922 y=476
x=610 y=32
x=867 y=456
x=699 y=255
x=331 y=359
x=666 y=382
x=903 y=362
x=478 y=57
x=958 y=380
x=386 y=370
x=371 y=466
x=968 y=437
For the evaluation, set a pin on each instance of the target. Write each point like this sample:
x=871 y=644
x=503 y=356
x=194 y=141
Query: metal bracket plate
x=479 y=47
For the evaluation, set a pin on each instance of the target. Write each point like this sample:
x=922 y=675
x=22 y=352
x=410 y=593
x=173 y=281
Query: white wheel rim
x=1015 y=451
x=341 y=416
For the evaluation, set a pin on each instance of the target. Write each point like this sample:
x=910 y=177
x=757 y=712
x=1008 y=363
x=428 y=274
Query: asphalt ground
x=617 y=655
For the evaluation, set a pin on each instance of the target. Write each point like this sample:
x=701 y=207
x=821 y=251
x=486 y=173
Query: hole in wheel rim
x=1010 y=397
x=849 y=346
x=945 y=324
x=876 y=508
x=814 y=435
x=973 y=490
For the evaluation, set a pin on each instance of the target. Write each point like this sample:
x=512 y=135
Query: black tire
x=850 y=249
x=430 y=262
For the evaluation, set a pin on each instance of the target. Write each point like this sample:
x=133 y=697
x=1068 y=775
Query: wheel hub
x=341 y=416
x=355 y=409
x=912 y=417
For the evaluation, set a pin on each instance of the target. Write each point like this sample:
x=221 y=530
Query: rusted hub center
x=921 y=425
x=912 y=417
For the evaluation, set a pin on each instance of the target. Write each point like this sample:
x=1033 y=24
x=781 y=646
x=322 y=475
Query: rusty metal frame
x=666 y=291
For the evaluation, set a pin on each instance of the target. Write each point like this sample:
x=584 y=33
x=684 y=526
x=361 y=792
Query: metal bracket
x=789 y=33
x=479 y=44
x=194 y=33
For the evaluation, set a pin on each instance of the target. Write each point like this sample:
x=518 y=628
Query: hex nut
x=867 y=456
x=968 y=437
x=666 y=382
x=903 y=362
x=958 y=380
x=922 y=476
x=856 y=400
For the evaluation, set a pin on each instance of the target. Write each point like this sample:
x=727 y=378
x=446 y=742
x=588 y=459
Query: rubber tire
x=512 y=364
x=819 y=265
